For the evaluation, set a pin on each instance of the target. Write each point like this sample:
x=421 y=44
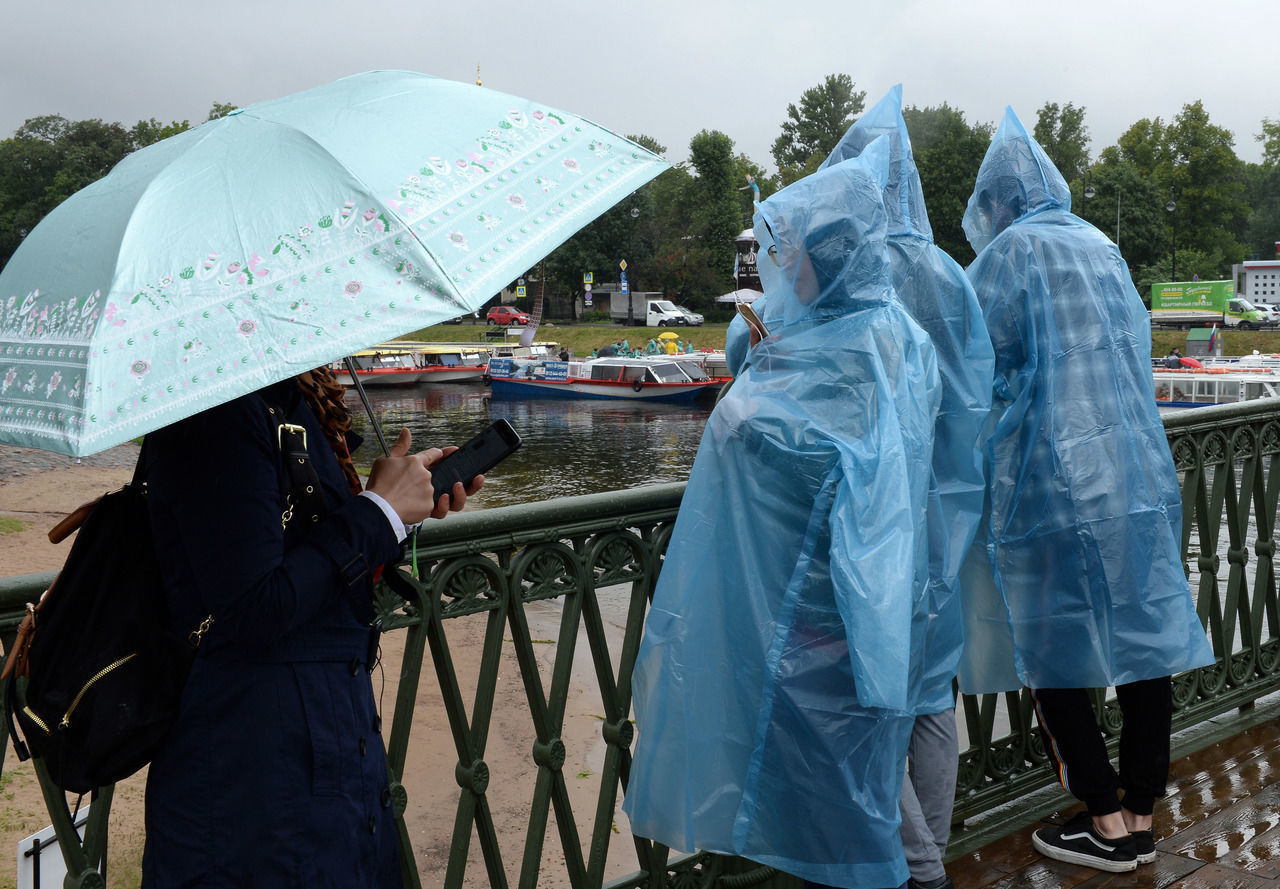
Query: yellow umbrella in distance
x=668 y=335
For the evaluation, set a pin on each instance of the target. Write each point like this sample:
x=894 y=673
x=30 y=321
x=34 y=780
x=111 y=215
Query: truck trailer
x=1202 y=303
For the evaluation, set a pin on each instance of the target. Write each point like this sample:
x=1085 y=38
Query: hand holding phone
x=476 y=457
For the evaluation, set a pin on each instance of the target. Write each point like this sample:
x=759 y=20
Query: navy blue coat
x=275 y=773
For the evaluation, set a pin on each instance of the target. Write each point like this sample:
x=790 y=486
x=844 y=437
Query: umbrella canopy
x=668 y=335
x=284 y=236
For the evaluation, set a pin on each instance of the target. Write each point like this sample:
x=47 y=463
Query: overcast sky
x=662 y=68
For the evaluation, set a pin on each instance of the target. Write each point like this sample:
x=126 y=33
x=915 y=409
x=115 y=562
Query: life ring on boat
x=1191 y=362
x=637 y=385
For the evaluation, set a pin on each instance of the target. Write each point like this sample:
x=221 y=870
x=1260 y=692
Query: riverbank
x=582 y=338
x=38 y=488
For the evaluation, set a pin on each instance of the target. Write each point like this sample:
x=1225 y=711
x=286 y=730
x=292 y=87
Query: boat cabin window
x=668 y=373
x=607 y=372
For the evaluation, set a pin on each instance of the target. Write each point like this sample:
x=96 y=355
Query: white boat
x=647 y=378
x=381 y=366
x=407 y=363
x=1215 y=384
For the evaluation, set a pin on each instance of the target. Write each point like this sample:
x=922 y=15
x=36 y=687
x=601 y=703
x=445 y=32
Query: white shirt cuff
x=397 y=526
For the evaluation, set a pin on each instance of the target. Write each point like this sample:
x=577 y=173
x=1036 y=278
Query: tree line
x=1159 y=181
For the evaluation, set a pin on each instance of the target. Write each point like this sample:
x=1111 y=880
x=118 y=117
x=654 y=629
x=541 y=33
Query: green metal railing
x=583 y=569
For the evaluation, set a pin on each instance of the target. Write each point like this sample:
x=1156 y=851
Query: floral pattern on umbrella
x=201 y=269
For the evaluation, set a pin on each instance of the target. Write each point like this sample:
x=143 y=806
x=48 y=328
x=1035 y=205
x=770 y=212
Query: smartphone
x=476 y=457
x=753 y=320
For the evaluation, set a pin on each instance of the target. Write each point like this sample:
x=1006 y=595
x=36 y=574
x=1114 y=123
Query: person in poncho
x=773 y=685
x=935 y=291
x=1085 y=584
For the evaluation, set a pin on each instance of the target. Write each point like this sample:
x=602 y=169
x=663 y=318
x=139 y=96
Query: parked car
x=1272 y=313
x=505 y=315
x=693 y=319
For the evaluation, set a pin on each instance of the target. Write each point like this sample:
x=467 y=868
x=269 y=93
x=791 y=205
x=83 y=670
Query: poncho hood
x=1015 y=180
x=903 y=194
x=822 y=240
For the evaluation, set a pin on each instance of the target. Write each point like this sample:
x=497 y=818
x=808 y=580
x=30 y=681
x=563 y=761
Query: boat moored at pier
x=646 y=378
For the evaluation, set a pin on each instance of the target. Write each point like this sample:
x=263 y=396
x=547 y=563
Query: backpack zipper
x=75 y=702
x=36 y=719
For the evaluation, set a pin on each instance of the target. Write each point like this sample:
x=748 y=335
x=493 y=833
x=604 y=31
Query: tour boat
x=407 y=363
x=1214 y=384
x=647 y=378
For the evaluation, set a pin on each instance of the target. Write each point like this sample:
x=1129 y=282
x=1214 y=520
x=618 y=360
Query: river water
x=570 y=446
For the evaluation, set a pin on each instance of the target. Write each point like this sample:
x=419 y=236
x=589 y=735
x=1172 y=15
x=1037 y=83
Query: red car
x=505 y=315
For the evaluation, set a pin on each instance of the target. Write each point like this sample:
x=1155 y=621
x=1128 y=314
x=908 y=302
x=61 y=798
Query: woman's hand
x=404 y=481
x=455 y=500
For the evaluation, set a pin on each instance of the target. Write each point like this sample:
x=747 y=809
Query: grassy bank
x=1234 y=342
x=582 y=338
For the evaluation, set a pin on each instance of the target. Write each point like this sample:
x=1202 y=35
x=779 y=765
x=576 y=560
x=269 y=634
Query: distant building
x=1258 y=281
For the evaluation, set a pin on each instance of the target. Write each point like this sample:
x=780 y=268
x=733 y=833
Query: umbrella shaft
x=368 y=408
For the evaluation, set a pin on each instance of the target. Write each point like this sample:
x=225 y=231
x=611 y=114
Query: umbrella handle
x=368 y=408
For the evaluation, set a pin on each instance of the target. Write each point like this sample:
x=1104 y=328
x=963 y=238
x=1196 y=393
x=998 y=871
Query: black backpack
x=105 y=670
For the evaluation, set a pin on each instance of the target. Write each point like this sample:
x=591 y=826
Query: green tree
x=1064 y=137
x=46 y=161
x=1205 y=180
x=717 y=209
x=1145 y=146
x=221 y=109
x=629 y=230
x=1262 y=196
x=813 y=128
x=1270 y=139
x=948 y=152
x=1191 y=264
x=1129 y=208
x=146 y=132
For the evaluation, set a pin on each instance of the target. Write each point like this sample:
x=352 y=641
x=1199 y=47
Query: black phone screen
x=483 y=452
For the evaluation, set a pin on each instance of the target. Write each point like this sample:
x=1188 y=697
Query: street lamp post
x=1086 y=195
x=631 y=241
x=1172 y=207
x=1117 y=216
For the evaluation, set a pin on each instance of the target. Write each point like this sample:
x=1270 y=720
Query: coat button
x=386 y=797
x=373 y=824
x=363 y=746
x=355 y=666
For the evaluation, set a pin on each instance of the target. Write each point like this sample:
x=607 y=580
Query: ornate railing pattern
x=578 y=562
x=1225 y=456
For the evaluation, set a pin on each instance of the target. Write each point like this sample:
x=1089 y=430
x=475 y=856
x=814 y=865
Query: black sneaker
x=1078 y=843
x=943 y=882
x=1145 y=843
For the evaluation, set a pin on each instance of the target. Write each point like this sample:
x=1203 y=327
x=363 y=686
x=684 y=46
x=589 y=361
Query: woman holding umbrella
x=274 y=774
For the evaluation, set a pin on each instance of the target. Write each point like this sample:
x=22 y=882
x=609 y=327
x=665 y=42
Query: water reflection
x=570 y=447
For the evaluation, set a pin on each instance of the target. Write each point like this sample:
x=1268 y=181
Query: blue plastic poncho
x=934 y=289
x=1085 y=512
x=771 y=686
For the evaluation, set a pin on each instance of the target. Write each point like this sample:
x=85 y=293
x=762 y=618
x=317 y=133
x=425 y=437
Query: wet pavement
x=20 y=462
x=1218 y=827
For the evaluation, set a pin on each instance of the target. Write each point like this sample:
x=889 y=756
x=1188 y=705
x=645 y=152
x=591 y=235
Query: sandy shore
x=38 y=489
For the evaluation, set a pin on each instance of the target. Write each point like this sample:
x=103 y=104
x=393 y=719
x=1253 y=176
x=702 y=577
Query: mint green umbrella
x=284 y=236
